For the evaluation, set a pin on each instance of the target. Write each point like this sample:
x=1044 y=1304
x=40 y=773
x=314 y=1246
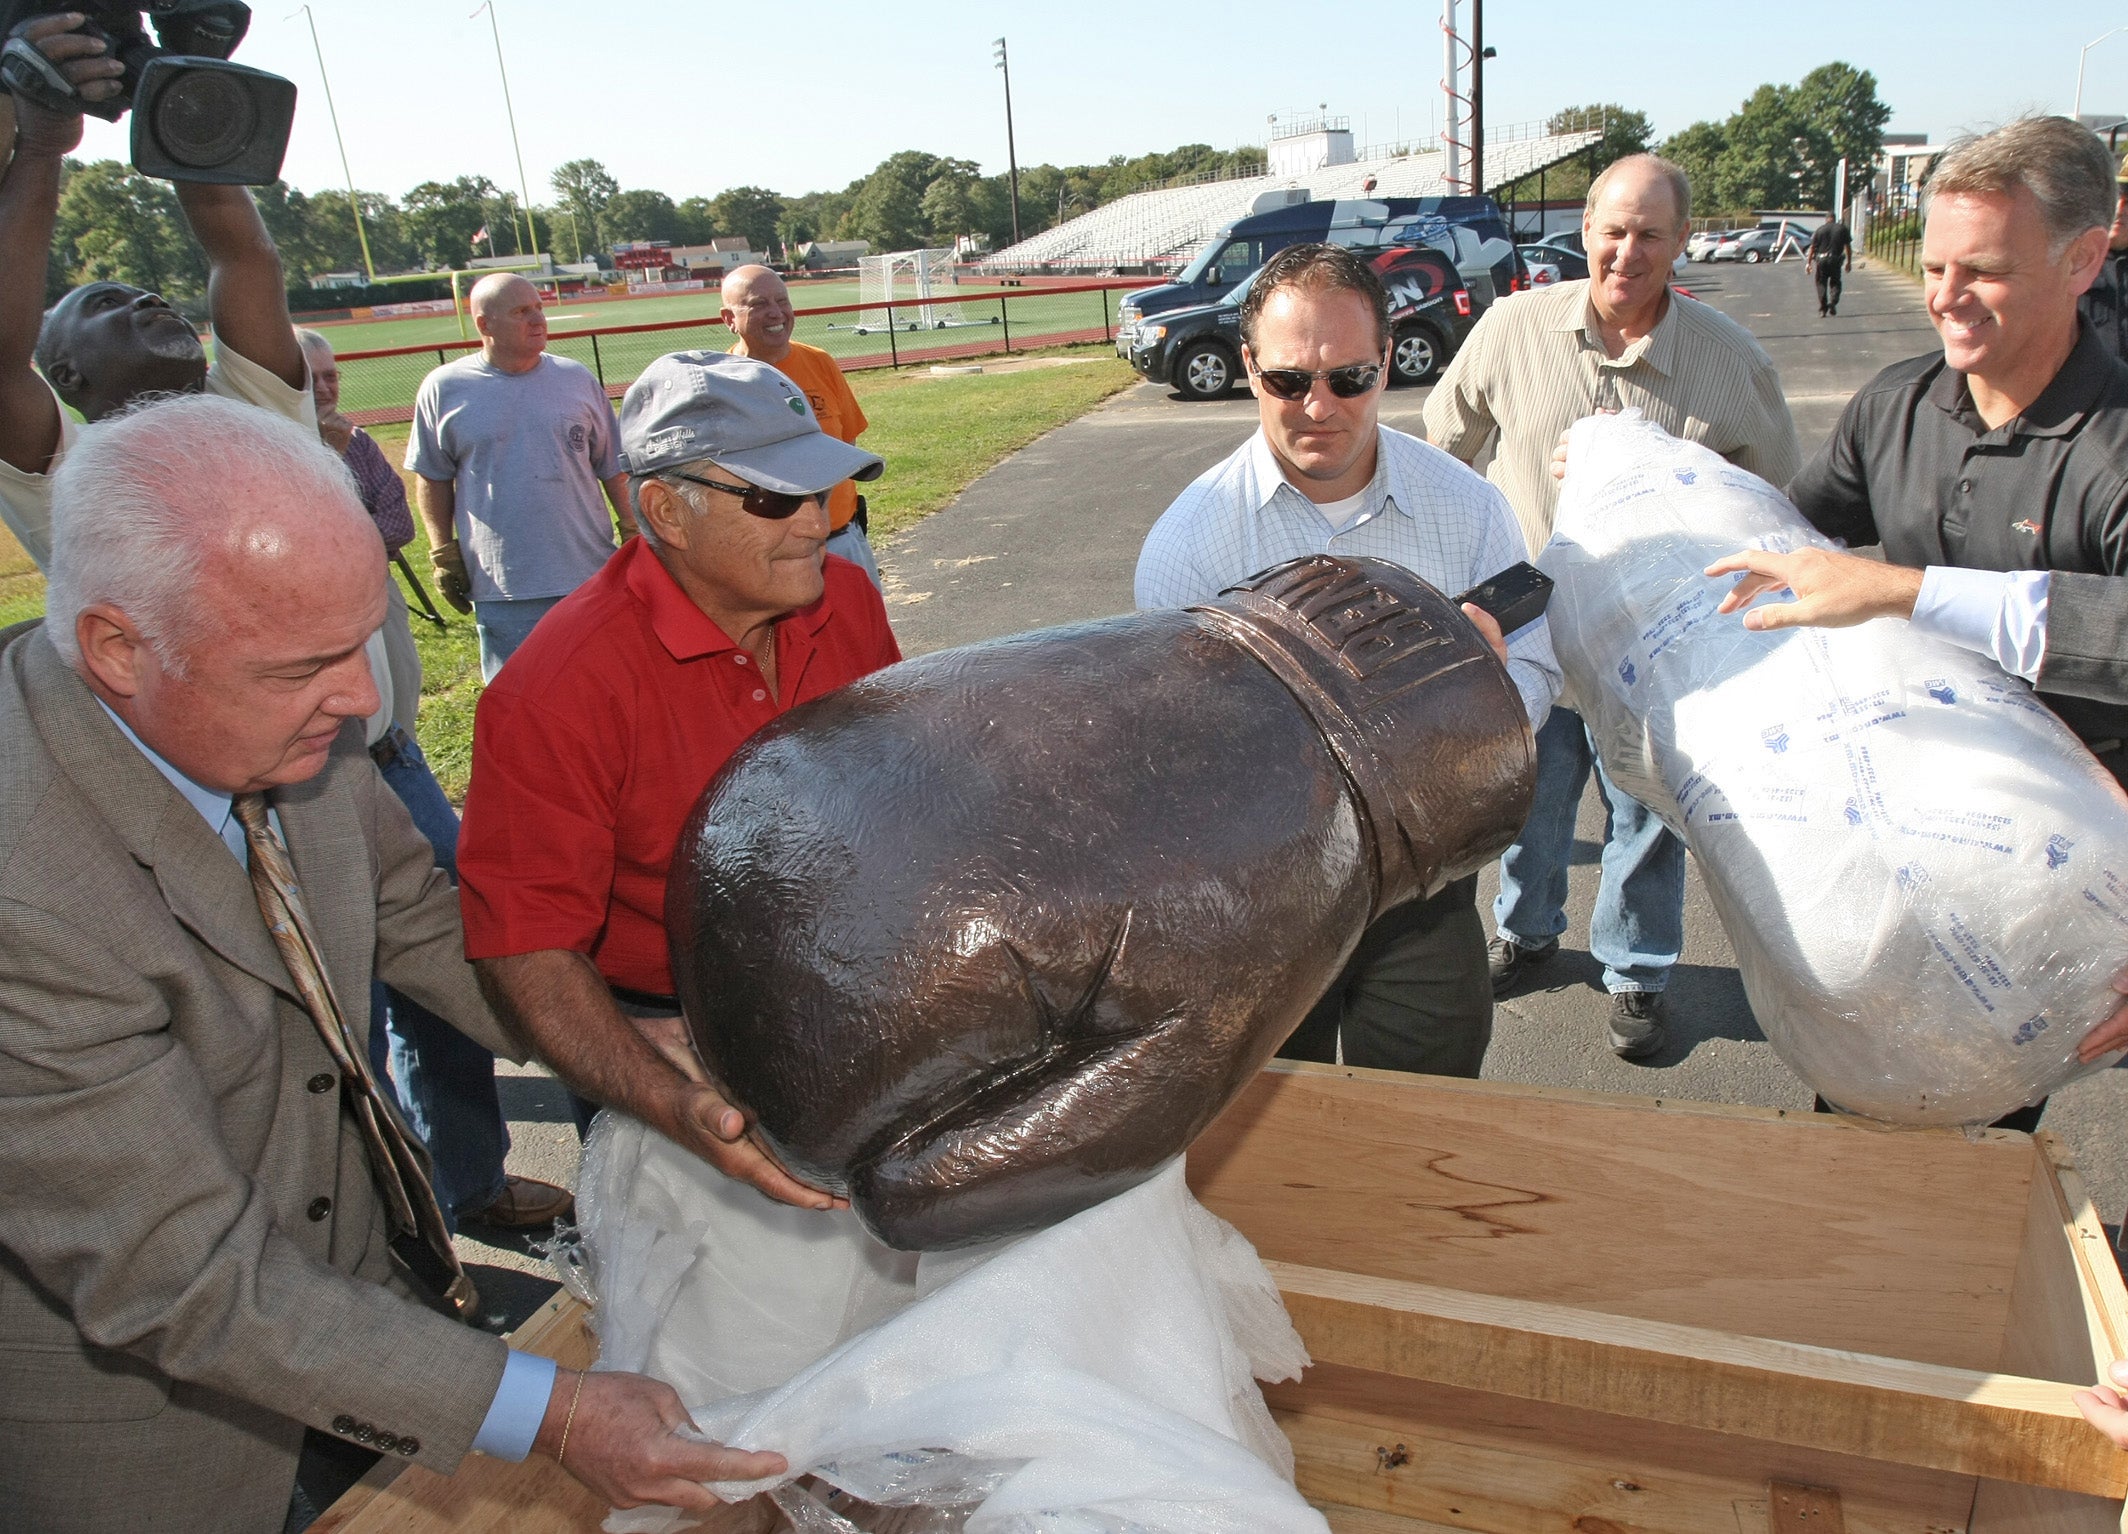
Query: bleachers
x=1168 y=225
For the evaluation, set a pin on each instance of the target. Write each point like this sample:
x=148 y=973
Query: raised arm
x=245 y=292
x=29 y=209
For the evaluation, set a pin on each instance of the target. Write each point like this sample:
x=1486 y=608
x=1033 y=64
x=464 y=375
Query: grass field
x=937 y=435
x=382 y=387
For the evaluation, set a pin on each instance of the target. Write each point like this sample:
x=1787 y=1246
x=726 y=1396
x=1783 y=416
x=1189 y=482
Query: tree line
x=116 y=225
x=1778 y=150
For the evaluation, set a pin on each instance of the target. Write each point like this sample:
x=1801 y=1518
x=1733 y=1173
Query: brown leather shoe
x=525 y=1203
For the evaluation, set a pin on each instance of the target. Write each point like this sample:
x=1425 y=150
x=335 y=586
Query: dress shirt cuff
x=2000 y=613
x=519 y=1407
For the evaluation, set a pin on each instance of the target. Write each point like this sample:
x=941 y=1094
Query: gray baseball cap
x=744 y=415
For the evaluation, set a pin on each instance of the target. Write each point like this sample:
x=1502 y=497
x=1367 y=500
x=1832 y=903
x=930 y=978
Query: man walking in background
x=757 y=307
x=1832 y=251
x=1614 y=340
x=512 y=448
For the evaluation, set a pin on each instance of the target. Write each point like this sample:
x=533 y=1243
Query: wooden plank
x=2098 y=1275
x=1888 y=1409
x=1351 y=1520
x=1902 y=1244
x=1796 y=1509
x=1537 y=1468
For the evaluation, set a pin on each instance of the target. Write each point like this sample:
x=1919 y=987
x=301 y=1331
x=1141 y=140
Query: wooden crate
x=1536 y=1310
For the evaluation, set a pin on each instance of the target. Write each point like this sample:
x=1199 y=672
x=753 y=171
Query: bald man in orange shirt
x=757 y=307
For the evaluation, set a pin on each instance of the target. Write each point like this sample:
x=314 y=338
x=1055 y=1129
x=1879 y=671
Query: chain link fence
x=378 y=387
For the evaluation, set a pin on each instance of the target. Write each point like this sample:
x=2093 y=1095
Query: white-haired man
x=1617 y=339
x=1994 y=470
x=212 y=1227
x=512 y=447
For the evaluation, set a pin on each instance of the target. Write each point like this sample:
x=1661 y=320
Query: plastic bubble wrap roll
x=1920 y=868
x=1097 y=1377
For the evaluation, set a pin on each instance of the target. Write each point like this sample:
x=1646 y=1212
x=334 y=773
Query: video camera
x=196 y=116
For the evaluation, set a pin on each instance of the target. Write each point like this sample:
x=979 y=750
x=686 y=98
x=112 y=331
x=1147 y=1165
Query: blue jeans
x=852 y=545
x=502 y=625
x=445 y=1083
x=1638 y=928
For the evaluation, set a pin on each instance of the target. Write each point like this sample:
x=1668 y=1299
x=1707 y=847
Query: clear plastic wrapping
x=1097 y=1377
x=1920 y=868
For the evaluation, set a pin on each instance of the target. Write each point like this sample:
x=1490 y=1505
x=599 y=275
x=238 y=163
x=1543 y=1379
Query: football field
x=973 y=323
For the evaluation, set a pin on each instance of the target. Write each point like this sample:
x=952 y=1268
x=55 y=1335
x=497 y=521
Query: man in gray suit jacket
x=195 y=1259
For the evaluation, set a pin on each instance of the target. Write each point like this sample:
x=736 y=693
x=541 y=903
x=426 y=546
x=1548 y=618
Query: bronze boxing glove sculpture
x=985 y=938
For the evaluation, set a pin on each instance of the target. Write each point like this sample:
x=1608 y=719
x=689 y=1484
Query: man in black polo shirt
x=1832 y=251
x=1994 y=473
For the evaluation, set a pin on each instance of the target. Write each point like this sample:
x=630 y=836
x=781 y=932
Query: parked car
x=1197 y=352
x=1469 y=230
x=1570 y=264
x=1700 y=246
x=1764 y=243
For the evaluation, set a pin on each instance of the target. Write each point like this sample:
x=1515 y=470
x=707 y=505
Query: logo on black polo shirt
x=2026 y=526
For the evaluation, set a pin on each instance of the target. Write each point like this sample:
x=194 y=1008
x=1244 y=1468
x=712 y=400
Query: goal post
x=921 y=285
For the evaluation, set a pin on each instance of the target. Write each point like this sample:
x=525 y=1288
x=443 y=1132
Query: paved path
x=1052 y=535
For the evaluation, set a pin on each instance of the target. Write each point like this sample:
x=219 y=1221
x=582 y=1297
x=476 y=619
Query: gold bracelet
x=570 y=1421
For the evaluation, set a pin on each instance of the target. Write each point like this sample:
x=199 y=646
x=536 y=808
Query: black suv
x=1198 y=351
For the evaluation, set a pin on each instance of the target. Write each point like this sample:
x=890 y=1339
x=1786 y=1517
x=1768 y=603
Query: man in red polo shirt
x=592 y=746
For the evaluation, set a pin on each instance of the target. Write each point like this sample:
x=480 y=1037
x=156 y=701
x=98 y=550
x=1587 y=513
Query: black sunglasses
x=1345 y=383
x=770 y=505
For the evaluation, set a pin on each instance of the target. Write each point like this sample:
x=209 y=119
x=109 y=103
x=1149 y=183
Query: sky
x=690 y=99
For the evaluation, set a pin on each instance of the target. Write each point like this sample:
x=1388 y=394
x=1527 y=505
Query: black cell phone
x=1515 y=597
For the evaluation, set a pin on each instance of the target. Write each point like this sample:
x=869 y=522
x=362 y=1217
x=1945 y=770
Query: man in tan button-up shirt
x=1536 y=363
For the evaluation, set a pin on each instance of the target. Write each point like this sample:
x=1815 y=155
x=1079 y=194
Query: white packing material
x=1097 y=1377
x=1922 y=871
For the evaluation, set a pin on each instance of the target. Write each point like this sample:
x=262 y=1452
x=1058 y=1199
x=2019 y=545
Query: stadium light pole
x=354 y=203
x=1012 y=157
x=2082 y=54
x=1479 y=53
x=510 y=112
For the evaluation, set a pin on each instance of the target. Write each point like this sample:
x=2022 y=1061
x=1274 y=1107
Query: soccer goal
x=921 y=285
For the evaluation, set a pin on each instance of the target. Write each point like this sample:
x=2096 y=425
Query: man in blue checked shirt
x=1323 y=475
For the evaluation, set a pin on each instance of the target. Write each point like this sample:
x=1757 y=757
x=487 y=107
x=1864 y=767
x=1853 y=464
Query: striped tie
x=419 y=1236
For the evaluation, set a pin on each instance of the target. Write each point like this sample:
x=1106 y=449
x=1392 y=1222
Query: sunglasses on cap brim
x=769 y=505
x=1292 y=383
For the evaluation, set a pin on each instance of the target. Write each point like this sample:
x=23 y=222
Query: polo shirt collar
x=1267 y=477
x=2061 y=407
x=686 y=632
x=1657 y=349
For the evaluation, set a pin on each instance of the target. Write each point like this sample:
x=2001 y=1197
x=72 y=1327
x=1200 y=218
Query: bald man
x=757 y=307
x=512 y=447
x=213 y=1261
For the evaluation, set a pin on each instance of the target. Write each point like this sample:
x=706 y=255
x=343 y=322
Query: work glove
x=451 y=578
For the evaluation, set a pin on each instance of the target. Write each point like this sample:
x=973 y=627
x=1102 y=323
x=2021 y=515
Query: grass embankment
x=937 y=435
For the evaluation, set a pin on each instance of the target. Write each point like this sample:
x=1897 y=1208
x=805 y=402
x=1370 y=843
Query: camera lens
x=204 y=118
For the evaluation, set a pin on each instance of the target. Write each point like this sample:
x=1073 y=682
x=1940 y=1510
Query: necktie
x=419 y=1235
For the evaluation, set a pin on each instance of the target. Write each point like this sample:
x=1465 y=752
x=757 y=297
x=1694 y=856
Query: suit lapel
x=207 y=890
x=334 y=866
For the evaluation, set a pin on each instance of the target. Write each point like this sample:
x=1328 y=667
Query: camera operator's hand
x=88 y=67
x=451 y=579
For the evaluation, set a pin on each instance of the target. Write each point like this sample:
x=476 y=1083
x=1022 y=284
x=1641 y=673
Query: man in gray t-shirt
x=512 y=448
